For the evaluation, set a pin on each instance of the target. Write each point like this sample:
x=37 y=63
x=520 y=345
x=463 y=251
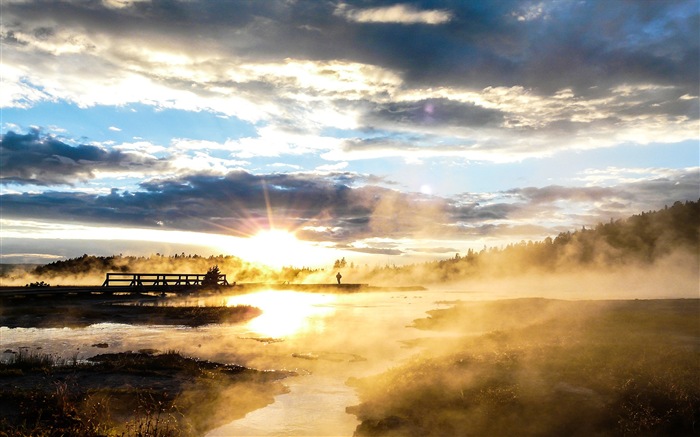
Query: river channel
x=325 y=338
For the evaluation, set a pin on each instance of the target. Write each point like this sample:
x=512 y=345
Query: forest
x=638 y=240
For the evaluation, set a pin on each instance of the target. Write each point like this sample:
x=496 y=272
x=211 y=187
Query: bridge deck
x=161 y=279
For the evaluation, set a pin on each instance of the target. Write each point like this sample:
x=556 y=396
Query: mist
x=660 y=246
x=566 y=330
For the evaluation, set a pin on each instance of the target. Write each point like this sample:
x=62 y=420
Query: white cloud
x=144 y=148
x=273 y=141
x=42 y=256
x=531 y=12
x=332 y=167
x=203 y=162
x=286 y=165
x=399 y=13
x=613 y=176
x=114 y=129
x=120 y=4
x=17 y=91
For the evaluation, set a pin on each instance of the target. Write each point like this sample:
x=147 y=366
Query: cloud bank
x=501 y=81
x=343 y=101
x=44 y=160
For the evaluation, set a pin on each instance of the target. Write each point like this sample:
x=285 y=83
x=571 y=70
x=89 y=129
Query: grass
x=26 y=360
x=84 y=311
x=127 y=394
x=556 y=368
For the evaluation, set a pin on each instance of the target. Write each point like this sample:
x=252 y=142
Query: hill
x=640 y=240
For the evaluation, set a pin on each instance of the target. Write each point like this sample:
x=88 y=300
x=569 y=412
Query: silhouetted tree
x=211 y=278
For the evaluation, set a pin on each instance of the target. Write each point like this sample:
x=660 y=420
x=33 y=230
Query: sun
x=278 y=248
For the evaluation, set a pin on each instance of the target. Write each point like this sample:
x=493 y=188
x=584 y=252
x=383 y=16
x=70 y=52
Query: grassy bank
x=127 y=394
x=544 y=367
x=85 y=311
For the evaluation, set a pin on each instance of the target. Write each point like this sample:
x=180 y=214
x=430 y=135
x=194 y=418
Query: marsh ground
x=544 y=367
x=81 y=311
x=475 y=366
x=134 y=393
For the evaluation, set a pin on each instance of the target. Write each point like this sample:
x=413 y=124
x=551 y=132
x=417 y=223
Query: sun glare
x=286 y=313
x=278 y=248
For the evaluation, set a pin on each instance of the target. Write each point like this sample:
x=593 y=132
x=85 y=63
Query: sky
x=383 y=132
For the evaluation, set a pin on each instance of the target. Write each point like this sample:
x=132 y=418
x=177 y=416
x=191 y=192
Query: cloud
x=437 y=250
x=616 y=175
x=399 y=13
x=479 y=81
x=335 y=207
x=343 y=209
x=439 y=112
x=620 y=200
x=375 y=251
x=519 y=79
x=332 y=167
x=42 y=256
x=37 y=160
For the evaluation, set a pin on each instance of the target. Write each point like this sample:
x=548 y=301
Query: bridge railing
x=157 y=279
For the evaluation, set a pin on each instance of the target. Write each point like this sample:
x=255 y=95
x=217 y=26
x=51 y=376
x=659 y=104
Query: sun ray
x=270 y=221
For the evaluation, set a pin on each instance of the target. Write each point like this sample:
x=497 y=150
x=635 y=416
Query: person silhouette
x=338 y=276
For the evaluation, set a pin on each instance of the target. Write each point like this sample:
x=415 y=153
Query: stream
x=325 y=338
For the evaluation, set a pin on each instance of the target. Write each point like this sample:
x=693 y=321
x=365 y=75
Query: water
x=341 y=336
x=326 y=338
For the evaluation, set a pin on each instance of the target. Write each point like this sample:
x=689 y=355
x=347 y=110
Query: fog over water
x=326 y=338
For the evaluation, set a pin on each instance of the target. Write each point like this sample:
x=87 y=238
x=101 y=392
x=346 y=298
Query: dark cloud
x=510 y=55
x=575 y=45
x=554 y=193
x=616 y=201
x=478 y=213
x=324 y=209
x=238 y=203
x=44 y=160
x=433 y=112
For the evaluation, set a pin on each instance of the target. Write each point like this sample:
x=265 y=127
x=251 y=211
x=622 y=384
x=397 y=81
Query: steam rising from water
x=329 y=338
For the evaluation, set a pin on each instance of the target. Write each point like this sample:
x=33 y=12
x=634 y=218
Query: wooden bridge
x=181 y=283
x=160 y=280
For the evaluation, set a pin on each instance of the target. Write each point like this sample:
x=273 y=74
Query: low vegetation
x=543 y=367
x=79 y=311
x=127 y=394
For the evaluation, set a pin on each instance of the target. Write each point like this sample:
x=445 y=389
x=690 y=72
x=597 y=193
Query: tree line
x=640 y=239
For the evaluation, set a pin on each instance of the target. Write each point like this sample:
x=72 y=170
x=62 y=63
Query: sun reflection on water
x=286 y=313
